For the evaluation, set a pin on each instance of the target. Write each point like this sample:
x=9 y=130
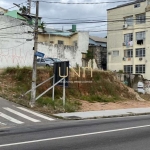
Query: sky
x=62 y=13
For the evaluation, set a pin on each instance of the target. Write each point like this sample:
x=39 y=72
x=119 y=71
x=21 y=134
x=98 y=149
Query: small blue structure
x=39 y=54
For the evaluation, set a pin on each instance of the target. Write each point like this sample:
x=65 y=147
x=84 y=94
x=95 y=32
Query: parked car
x=56 y=60
x=45 y=62
x=53 y=59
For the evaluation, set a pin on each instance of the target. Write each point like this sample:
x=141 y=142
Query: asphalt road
x=130 y=133
x=13 y=115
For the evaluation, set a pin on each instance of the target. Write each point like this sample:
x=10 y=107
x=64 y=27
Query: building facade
x=3 y=10
x=128 y=38
x=17 y=41
x=98 y=52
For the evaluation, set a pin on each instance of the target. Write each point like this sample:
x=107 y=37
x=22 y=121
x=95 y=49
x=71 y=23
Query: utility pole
x=28 y=6
x=34 y=71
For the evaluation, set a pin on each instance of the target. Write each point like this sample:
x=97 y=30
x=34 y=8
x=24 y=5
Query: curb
x=98 y=117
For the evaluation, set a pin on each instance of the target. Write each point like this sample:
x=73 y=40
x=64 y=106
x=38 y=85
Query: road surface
x=129 y=133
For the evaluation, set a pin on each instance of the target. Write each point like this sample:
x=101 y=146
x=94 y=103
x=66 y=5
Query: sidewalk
x=104 y=113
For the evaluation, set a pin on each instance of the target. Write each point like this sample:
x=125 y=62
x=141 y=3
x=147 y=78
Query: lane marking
x=10 y=118
x=21 y=115
x=72 y=136
x=3 y=123
x=36 y=114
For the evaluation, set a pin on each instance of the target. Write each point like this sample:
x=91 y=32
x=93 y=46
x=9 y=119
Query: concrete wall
x=116 y=38
x=3 y=10
x=54 y=38
x=15 y=50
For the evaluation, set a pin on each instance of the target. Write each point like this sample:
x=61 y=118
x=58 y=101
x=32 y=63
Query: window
x=140 y=35
x=75 y=43
x=129 y=21
x=140 y=52
x=128 y=69
x=140 y=68
x=137 y=5
x=60 y=42
x=128 y=37
x=115 y=53
x=38 y=60
x=128 y=53
x=42 y=60
x=140 y=18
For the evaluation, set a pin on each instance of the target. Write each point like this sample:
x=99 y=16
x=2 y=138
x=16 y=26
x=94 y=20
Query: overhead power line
x=15 y=46
x=16 y=6
x=95 y=3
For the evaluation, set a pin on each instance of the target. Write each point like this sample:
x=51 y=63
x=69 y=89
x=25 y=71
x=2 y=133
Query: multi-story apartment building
x=128 y=39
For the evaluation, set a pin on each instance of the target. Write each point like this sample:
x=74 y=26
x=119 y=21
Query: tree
x=23 y=9
x=42 y=26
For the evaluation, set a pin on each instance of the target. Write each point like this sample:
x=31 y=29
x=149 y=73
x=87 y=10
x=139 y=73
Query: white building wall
x=115 y=38
x=15 y=50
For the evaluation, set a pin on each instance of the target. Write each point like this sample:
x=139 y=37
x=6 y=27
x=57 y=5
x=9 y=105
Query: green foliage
x=96 y=76
x=42 y=26
x=120 y=71
x=57 y=104
x=23 y=9
x=89 y=55
x=0 y=88
x=97 y=98
x=104 y=88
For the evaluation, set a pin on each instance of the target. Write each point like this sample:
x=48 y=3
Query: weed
x=57 y=104
x=97 y=98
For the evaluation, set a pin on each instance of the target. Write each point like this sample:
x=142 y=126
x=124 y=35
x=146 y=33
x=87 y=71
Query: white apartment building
x=128 y=38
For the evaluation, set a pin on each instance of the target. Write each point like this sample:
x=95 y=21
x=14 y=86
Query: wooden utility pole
x=29 y=6
x=34 y=71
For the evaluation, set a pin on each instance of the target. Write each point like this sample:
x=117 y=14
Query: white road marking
x=10 y=118
x=36 y=114
x=21 y=115
x=73 y=136
x=3 y=123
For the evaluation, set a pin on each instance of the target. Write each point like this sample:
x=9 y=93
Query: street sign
x=39 y=54
x=61 y=70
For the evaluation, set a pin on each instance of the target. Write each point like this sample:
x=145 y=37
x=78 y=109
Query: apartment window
x=115 y=53
x=128 y=53
x=128 y=69
x=140 y=52
x=140 y=18
x=128 y=37
x=60 y=42
x=140 y=36
x=137 y=5
x=140 y=68
x=129 y=21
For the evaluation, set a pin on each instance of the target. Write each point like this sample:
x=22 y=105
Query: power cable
x=95 y=3
x=16 y=6
x=15 y=46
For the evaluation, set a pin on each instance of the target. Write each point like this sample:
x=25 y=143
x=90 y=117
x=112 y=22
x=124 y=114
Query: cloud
x=63 y=11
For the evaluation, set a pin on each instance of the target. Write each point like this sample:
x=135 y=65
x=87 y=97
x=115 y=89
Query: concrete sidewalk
x=105 y=113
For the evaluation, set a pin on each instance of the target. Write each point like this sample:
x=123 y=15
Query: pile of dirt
x=100 y=87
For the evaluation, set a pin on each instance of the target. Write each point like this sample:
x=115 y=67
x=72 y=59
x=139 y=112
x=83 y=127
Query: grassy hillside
x=102 y=87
